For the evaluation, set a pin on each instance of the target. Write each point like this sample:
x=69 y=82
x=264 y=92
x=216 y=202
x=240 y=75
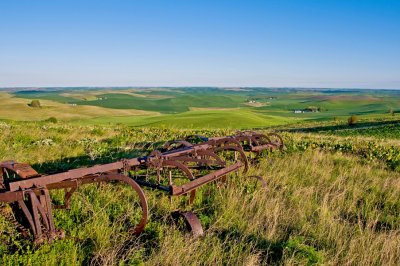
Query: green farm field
x=198 y=107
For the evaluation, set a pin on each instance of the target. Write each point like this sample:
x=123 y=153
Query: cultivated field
x=197 y=107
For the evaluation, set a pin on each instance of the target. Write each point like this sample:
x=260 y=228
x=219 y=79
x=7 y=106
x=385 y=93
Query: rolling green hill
x=234 y=118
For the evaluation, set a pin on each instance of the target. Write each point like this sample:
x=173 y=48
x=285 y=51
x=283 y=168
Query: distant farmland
x=200 y=107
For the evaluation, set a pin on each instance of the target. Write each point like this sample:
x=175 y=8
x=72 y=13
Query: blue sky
x=342 y=43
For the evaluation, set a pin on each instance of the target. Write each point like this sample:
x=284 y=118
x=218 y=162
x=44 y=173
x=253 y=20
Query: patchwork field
x=198 y=107
x=13 y=108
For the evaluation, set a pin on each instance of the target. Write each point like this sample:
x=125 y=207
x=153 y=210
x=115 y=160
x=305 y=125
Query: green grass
x=332 y=196
x=168 y=105
x=325 y=203
x=379 y=127
x=44 y=95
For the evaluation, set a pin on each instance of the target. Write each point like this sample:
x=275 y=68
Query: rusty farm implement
x=178 y=168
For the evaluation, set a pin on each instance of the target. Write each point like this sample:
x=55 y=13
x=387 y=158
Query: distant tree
x=352 y=120
x=391 y=111
x=35 y=104
x=313 y=109
x=51 y=119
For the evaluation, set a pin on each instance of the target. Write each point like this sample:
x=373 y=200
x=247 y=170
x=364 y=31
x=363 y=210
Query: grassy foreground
x=328 y=200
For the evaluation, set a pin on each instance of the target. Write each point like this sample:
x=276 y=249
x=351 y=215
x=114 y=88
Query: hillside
x=330 y=199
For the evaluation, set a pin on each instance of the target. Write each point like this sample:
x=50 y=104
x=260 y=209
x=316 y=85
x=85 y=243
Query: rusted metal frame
x=8 y=197
x=176 y=162
x=212 y=154
x=183 y=143
x=47 y=201
x=67 y=198
x=281 y=144
x=23 y=170
x=28 y=215
x=196 y=183
x=152 y=185
x=186 y=170
x=41 y=208
x=240 y=151
x=254 y=139
x=263 y=147
x=2 y=185
x=109 y=177
x=199 y=158
x=187 y=159
x=35 y=205
x=71 y=174
x=41 y=212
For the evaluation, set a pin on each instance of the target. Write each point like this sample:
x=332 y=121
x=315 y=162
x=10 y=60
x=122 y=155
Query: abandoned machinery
x=197 y=159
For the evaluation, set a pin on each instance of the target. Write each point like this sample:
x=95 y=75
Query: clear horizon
x=296 y=44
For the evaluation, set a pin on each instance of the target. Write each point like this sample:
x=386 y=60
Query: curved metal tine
x=67 y=198
x=280 y=144
x=260 y=179
x=212 y=154
x=241 y=152
x=191 y=221
x=185 y=170
x=169 y=145
x=143 y=201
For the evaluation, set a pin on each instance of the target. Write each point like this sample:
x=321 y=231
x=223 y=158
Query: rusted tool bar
x=28 y=191
x=188 y=187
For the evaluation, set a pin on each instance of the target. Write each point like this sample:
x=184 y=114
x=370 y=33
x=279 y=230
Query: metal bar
x=152 y=185
x=11 y=196
x=180 y=190
x=80 y=172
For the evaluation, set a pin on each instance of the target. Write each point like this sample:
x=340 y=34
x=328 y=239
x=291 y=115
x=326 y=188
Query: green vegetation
x=199 y=107
x=378 y=128
x=329 y=200
x=332 y=196
x=235 y=118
